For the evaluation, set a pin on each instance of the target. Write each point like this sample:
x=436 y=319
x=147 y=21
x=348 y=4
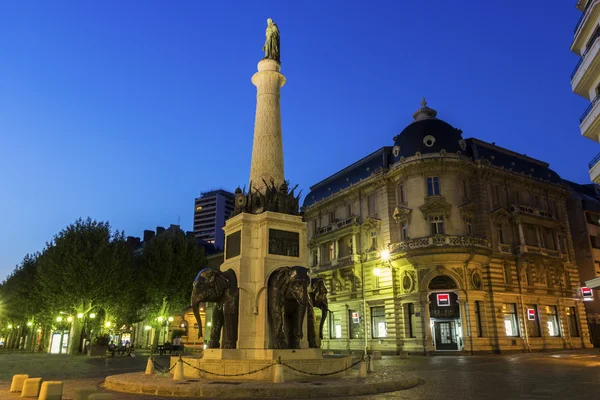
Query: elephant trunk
x=324 y=312
x=196 y=310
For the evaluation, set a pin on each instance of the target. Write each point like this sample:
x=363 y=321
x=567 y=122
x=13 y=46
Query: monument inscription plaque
x=284 y=243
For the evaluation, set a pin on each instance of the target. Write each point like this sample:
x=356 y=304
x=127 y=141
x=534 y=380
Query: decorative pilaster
x=267 y=148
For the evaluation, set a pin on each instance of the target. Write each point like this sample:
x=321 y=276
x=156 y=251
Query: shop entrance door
x=445 y=335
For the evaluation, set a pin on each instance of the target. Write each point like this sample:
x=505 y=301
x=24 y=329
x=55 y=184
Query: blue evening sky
x=126 y=110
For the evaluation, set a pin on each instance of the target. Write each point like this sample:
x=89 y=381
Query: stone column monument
x=267 y=149
x=265 y=258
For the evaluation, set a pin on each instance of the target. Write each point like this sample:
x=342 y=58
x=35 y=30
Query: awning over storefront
x=593 y=283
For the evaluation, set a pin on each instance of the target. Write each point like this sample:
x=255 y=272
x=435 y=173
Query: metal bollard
x=150 y=366
x=362 y=369
x=278 y=374
x=178 y=374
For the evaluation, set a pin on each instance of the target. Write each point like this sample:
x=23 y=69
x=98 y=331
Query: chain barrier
x=160 y=368
x=269 y=366
x=240 y=374
x=325 y=374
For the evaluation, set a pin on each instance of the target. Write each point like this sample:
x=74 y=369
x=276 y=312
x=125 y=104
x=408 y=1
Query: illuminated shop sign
x=355 y=317
x=531 y=314
x=443 y=299
x=587 y=294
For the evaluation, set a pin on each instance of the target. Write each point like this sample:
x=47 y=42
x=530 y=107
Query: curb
x=349 y=387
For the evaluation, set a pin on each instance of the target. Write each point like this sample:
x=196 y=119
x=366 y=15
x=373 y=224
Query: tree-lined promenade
x=89 y=280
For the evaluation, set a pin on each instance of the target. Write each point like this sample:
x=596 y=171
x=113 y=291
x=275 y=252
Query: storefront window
x=335 y=326
x=533 y=325
x=511 y=325
x=378 y=324
x=573 y=328
x=355 y=325
x=552 y=315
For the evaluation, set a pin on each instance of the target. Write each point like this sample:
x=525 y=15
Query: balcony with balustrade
x=585 y=25
x=526 y=210
x=594 y=166
x=587 y=69
x=540 y=251
x=439 y=241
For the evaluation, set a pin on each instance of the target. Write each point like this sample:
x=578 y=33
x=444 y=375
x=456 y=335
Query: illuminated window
x=552 y=315
x=335 y=326
x=355 y=325
x=378 y=324
x=511 y=326
x=198 y=208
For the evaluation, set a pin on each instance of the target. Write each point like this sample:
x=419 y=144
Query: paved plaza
x=556 y=375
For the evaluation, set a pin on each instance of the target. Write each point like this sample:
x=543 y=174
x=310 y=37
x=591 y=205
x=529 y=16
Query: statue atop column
x=271 y=47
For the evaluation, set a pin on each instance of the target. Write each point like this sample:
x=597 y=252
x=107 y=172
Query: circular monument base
x=351 y=385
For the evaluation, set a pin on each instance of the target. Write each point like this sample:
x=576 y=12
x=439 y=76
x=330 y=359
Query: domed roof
x=427 y=134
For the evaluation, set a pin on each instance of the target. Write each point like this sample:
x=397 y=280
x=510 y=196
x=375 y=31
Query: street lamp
x=147 y=328
x=160 y=319
x=58 y=319
x=69 y=319
x=170 y=319
x=385 y=255
x=30 y=323
x=107 y=324
x=9 y=326
x=80 y=315
x=92 y=315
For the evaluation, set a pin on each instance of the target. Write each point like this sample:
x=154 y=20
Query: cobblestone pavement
x=560 y=375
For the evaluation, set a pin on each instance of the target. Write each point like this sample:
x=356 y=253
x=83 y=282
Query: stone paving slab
x=139 y=383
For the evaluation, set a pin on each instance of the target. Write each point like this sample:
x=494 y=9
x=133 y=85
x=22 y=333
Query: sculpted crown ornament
x=272 y=198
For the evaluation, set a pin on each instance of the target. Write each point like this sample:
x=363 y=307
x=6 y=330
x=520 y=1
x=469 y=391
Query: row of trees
x=89 y=277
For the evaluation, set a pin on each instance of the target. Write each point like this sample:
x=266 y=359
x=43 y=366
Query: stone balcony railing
x=337 y=262
x=439 y=241
x=337 y=225
x=504 y=248
x=525 y=249
x=525 y=209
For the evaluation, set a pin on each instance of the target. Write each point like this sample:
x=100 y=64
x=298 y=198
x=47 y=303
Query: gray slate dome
x=427 y=134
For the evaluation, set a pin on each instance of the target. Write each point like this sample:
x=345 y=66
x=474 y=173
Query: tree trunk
x=74 y=336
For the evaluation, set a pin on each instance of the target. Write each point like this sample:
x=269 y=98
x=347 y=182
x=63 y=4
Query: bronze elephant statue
x=287 y=305
x=221 y=289
x=318 y=299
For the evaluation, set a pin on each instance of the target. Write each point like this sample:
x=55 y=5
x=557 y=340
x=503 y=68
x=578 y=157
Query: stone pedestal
x=267 y=149
x=248 y=254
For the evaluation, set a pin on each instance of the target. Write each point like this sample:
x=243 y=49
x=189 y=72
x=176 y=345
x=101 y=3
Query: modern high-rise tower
x=211 y=210
x=585 y=79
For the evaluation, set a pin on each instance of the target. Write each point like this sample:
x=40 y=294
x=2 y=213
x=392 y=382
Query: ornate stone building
x=444 y=243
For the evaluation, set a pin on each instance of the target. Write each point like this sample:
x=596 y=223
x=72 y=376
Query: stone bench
x=51 y=390
x=17 y=382
x=31 y=387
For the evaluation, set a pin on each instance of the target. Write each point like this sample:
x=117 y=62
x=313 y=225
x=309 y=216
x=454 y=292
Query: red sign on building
x=531 y=314
x=587 y=294
x=443 y=299
x=355 y=318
